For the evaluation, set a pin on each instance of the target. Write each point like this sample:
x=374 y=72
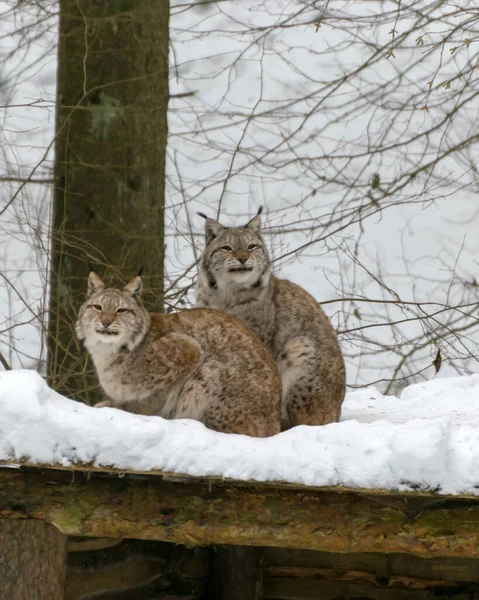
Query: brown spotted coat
x=198 y=364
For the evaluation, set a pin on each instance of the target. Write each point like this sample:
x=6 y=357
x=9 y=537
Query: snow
x=426 y=439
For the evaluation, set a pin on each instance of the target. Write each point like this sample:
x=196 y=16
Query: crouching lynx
x=198 y=364
x=235 y=276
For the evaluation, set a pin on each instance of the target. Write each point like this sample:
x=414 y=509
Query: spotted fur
x=235 y=276
x=198 y=364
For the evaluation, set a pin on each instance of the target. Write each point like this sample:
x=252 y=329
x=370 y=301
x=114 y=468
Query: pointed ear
x=95 y=284
x=212 y=230
x=134 y=287
x=255 y=223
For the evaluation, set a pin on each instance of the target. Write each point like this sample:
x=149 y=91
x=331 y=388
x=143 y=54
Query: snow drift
x=428 y=439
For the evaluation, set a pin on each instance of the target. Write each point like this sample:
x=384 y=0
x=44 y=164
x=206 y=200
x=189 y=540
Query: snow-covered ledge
x=427 y=439
x=102 y=472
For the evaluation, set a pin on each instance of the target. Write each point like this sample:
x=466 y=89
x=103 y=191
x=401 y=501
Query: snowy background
x=275 y=119
x=428 y=439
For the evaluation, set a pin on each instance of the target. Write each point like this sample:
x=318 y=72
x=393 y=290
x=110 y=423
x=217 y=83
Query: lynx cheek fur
x=235 y=276
x=198 y=364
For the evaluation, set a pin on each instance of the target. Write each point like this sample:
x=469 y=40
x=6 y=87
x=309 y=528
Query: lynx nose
x=106 y=323
x=241 y=257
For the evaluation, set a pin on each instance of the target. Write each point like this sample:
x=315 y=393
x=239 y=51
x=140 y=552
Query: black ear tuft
x=202 y=215
x=95 y=284
x=134 y=287
x=212 y=228
x=91 y=267
x=140 y=272
x=255 y=223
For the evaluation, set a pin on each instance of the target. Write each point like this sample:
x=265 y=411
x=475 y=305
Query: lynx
x=235 y=276
x=197 y=364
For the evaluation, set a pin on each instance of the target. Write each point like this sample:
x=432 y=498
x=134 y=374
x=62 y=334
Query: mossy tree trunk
x=109 y=165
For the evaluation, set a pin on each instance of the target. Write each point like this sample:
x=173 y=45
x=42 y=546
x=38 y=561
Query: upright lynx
x=235 y=276
x=198 y=364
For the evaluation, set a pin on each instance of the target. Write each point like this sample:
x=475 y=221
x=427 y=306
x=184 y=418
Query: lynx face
x=112 y=318
x=234 y=256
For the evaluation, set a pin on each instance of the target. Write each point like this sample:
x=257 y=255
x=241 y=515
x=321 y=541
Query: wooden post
x=237 y=573
x=32 y=560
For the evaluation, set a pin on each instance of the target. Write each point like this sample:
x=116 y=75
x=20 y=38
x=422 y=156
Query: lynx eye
x=227 y=248
x=253 y=247
x=96 y=307
x=120 y=311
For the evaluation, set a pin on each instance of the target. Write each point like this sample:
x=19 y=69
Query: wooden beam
x=193 y=511
x=138 y=569
x=384 y=568
x=312 y=589
x=279 y=574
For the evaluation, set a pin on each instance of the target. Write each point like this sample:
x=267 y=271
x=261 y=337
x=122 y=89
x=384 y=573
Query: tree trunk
x=109 y=165
x=32 y=561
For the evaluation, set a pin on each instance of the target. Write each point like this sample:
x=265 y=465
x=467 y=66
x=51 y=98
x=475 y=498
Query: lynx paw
x=104 y=404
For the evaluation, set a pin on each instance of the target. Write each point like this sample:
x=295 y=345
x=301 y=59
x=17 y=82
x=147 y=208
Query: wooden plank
x=369 y=575
x=81 y=544
x=356 y=577
x=32 y=561
x=138 y=569
x=200 y=512
x=383 y=567
x=424 y=497
x=130 y=576
x=312 y=589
